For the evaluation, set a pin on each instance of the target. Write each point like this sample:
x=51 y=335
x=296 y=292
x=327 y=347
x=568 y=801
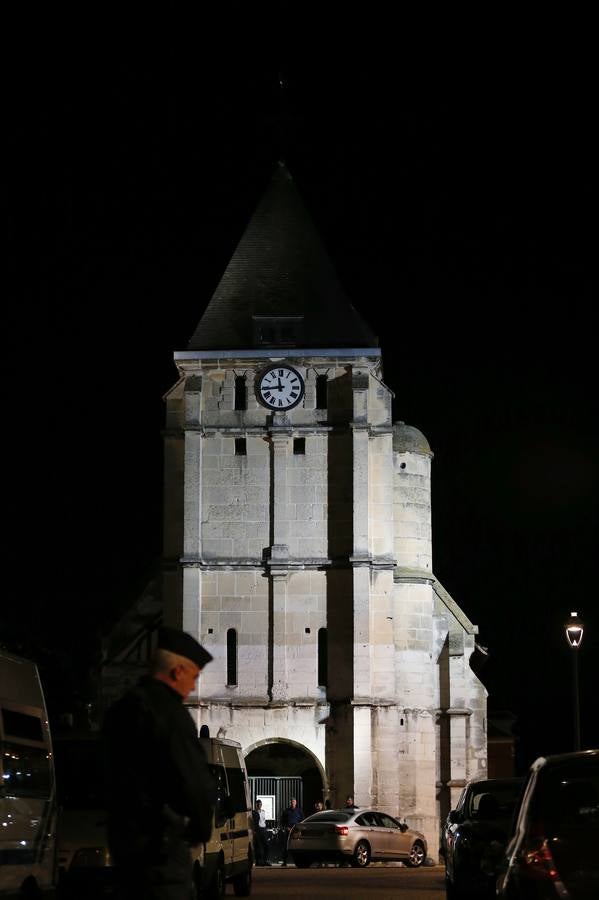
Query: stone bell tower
x=298 y=542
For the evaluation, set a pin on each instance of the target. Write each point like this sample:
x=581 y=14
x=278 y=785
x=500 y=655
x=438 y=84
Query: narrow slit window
x=240 y=393
x=231 y=657
x=321 y=391
x=240 y=447
x=322 y=657
x=299 y=446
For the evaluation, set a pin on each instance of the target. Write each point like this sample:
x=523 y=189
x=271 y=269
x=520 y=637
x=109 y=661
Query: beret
x=183 y=644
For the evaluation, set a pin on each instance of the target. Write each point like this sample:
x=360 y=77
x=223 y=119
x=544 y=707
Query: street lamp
x=574 y=633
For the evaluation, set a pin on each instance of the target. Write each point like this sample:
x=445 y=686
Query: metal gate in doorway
x=276 y=792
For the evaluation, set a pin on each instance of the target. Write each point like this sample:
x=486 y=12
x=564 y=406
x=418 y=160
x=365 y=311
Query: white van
x=229 y=855
x=27 y=789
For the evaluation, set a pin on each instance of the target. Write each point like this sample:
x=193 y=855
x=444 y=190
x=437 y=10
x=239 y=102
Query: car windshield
x=493 y=800
x=330 y=815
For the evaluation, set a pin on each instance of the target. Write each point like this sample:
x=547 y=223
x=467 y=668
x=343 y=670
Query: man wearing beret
x=160 y=792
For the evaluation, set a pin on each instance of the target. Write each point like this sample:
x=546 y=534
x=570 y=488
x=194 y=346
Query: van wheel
x=216 y=888
x=30 y=889
x=242 y=883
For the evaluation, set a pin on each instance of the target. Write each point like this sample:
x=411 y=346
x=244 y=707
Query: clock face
x=280 y=387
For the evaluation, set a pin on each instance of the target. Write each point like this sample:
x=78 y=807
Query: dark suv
x=475 y=835
x=553 y=851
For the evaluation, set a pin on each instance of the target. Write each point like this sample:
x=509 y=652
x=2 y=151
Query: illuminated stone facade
x=298 y=544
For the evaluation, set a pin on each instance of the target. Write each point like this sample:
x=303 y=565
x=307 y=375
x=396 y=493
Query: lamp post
x=574 y=633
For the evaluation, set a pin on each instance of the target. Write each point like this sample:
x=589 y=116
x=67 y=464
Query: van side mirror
x=454 y=817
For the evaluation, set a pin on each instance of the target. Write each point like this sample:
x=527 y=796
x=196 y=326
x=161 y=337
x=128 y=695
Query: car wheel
x=416 y=857
x=361 y=855
x=216 y=888
x=242 y=883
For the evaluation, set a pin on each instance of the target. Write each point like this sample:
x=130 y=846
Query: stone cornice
x=381 y=562
x=265 y=430
x=256 y=702
x=406 y=575
x=291 y=563
x=192 y=358
x=255 y=563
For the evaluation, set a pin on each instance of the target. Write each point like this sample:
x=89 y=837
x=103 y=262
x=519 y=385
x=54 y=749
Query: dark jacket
x=159 y=788
x=291 y=817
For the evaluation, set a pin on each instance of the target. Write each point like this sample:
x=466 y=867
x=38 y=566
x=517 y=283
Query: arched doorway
x=281 y=769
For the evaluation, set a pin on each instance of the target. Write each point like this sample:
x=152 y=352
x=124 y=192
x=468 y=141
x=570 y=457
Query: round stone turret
x=412 y=498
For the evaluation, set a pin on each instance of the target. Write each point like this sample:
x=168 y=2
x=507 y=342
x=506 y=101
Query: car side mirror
x=403 y=826
x=454 y=817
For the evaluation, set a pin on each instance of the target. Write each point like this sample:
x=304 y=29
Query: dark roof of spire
x=280 y=268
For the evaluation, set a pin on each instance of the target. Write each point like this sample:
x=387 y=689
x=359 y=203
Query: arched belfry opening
x=279 y=770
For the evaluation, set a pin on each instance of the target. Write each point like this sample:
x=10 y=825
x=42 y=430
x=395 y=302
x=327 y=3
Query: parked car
x=356 y=836
x=475 y=835
x=553 y=851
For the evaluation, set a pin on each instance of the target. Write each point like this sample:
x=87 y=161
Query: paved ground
x=379 y=881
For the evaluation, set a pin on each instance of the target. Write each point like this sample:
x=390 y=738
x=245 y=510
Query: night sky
x=456 y=198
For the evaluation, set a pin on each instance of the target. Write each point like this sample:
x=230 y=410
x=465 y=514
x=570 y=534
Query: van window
x=237 y=788
x=26 y=770
x=21 y=725
x=220 y=813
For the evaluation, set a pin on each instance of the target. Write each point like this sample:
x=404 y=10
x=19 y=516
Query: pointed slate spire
x=280 y=268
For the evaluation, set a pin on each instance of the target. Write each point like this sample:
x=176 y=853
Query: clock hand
x=280 y=385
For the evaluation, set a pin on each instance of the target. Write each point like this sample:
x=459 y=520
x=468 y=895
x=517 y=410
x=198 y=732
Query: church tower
x=298 y=542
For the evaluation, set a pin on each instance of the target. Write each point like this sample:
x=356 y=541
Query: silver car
x=356 y=836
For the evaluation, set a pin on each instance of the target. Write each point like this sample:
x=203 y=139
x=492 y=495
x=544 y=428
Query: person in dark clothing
x=260 y=843
x=291 y=816
x=349 y=803
x=160 y=793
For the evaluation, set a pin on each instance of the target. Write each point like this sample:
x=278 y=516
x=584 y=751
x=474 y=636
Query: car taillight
x=341 y=829
x=538 y=863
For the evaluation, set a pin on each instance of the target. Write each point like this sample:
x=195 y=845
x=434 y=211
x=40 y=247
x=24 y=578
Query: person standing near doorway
x=260 y=844
x=291 y=816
